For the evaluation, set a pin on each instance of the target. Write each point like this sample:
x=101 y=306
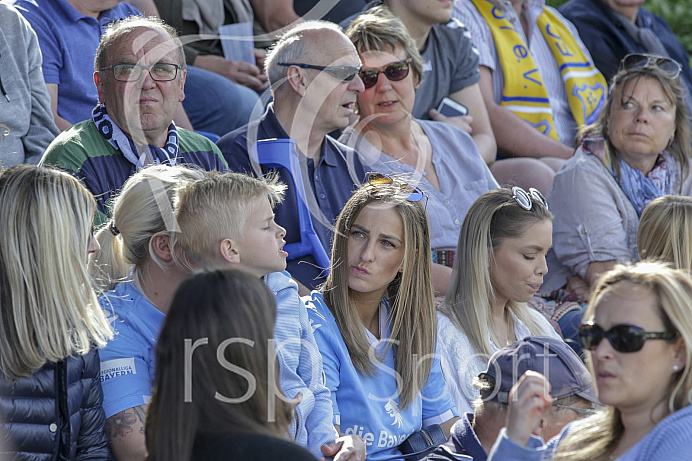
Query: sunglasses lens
x=522 y=197
x=625 y=338
x=345 y=73
x=379 y=180
x=538 y=197
x=397 y=71
x=634 y=60
x=415 y=194
x=590 y=336
x=369 y=78
x=670 y=67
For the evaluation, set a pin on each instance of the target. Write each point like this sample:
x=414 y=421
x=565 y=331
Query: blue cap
x=551 y=357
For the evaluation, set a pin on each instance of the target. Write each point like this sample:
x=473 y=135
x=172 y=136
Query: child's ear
x=161 y=244
x=229 y=251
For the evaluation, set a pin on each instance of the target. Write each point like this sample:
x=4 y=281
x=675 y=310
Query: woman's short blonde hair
x=48 y=310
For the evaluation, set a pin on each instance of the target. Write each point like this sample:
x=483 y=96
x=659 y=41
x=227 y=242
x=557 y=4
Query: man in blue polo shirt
x=313 y=71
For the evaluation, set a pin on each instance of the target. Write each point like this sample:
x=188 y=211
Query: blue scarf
x=642 y=190
x=154 y=154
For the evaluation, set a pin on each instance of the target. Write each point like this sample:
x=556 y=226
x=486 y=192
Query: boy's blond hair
x=215 y=208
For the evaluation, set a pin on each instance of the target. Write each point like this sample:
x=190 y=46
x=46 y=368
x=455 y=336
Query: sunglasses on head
x=382 y=180
x=395 y=71
x=527 y=199
x=343 y=73
x=623 y=338
x=670 y=67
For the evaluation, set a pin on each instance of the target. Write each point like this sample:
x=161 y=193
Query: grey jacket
x=594 y=220
x=26 y=120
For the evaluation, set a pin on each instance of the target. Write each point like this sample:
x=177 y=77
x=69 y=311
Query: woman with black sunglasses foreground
x=639 y=334
x=638 y=149
x=442 y=159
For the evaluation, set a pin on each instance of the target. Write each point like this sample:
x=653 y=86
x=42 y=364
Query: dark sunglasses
x=382 y=180
x=623 y=338
x=527 y=199
x=395 y=71
x=670 y=67
x=343 y=73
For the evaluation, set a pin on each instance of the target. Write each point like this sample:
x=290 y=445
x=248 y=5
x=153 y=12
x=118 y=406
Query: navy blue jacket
x=56 y=413
x=608 y=41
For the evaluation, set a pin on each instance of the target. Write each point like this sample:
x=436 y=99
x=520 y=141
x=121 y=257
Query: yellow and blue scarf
x=524 y=92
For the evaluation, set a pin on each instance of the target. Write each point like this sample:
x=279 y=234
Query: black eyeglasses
x=395 y=71
x=382 y=180
x=623 y=338
x=527 y=199
x=670 y=67
x=161 y=72
x=343 y=73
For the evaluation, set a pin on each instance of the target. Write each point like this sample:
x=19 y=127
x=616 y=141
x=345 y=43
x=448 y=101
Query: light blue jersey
x=128 y=360
x=369 y=406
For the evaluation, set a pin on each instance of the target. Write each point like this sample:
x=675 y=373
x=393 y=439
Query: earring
x=676 y=368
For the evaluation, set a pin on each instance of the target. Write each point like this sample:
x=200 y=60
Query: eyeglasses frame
x=328 y=69
x=141 y=72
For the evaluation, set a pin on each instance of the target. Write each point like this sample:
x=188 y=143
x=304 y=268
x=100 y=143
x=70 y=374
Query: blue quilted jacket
x=55 y=414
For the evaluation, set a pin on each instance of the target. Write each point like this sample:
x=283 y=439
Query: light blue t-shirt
x=369 y=406
x=128 y=360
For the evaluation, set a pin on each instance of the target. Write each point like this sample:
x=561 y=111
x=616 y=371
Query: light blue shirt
x=368 y=406
x=128 y=360
x=461 y=172
x=300 y=366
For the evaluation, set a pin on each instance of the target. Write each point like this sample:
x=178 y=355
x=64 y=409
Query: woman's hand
x=579 y=288
x=529 y=400
x=346 y=448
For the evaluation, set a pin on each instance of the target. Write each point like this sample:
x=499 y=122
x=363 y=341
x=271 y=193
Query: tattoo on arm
x=126 y=422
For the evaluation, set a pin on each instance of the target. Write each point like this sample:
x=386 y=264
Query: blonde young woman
x=374 y=321
x=639 y=331
x=139 y=253
x=499 y=266
x=665 y=231
x=50 y=321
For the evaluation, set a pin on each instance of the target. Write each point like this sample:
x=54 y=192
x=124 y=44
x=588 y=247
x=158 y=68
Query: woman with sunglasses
x=442 y=159
x=500 y=264
x=374 y=320
x=638 y=330
x=638 y=149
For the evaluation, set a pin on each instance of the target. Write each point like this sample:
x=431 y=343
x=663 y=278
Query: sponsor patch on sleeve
x=117 y=367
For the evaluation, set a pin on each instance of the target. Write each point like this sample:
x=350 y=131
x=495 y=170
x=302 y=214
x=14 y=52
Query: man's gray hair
x=115 y=30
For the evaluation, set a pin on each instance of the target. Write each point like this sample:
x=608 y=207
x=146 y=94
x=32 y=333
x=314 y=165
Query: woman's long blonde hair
x=598 y=435
x=665 y=231
x=493 y=218
x=48 y=310
x=410 y=294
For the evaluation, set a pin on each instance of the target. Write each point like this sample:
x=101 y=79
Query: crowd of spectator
x=405 y=229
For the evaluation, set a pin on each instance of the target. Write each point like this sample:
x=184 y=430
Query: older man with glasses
x=313 y=72
x=140 y=77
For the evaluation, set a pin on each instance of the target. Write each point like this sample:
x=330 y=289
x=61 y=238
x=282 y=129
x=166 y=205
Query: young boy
x=234 y=213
